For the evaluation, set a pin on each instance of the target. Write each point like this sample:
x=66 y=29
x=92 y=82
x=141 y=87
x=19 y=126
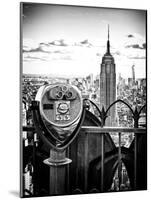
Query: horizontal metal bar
x=95 y=129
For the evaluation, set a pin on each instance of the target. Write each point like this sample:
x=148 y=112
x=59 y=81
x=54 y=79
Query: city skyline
x=67 y=40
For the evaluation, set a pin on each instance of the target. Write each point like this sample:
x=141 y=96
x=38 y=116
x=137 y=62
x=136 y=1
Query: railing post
x=119 y=160
x=86 y=164
x=135 y=162
x=102 y=162
x=68 y=171
x=136 y=118
x=103 y=118
x=57 y=177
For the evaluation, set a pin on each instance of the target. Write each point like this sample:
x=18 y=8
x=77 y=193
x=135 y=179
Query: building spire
x=108 y=41
x=108 y=32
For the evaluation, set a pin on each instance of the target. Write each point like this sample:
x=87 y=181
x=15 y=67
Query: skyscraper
x=108 y=84
x=133 y=75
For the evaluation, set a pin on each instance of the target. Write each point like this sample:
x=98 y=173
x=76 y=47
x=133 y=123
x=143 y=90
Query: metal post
x=135 y=162
x=68 y=172
x=136 y=118
x=86 y=164
x=103 y=118
x=57 y=177
x=102 y=162
x=119 y=160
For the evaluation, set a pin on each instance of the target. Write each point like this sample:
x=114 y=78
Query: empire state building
x=108 y=84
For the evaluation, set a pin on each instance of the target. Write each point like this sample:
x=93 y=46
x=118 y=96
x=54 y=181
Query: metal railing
x=119 y=130
x=102 y=131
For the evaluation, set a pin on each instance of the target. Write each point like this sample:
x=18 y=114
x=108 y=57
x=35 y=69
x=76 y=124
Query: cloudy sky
x=70 y=40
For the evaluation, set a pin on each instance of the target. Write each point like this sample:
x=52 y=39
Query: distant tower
x=108 y=84
x=133 y=74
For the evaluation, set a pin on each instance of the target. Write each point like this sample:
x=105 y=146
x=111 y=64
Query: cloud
x=136 y=57
x=136 y=46
x=86 y=43
x=131 y=47
x=33 y=58
x=135 y=41
x=118 y=53
x=60 y=42
x=44 y=44
x=60 y=52
x=130 y=36
x=32 y=50
x=55 y=50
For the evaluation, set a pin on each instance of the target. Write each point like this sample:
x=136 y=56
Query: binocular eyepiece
x=63 y=92
x=64 y=95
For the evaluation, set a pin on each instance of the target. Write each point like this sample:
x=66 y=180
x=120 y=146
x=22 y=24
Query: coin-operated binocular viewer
x=58 y=113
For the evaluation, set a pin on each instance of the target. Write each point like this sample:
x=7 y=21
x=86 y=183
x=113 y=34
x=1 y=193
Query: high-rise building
x=108 y=84
x=133 y=74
